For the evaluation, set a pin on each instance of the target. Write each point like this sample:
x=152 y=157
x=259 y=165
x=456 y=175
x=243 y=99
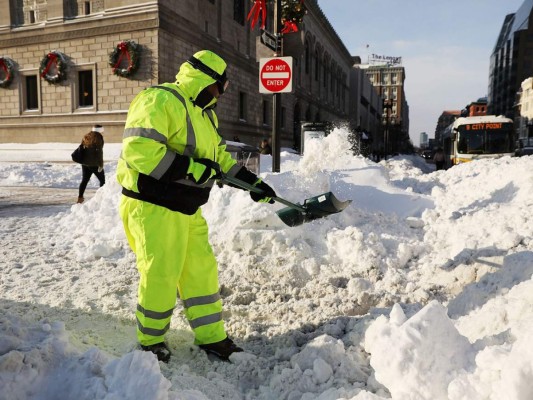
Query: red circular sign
x=275 y=75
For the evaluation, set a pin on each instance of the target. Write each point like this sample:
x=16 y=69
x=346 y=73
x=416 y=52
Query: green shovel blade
x=315 y=207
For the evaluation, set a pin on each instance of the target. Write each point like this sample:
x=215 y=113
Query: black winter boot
x=222 y=349
x=161 y=350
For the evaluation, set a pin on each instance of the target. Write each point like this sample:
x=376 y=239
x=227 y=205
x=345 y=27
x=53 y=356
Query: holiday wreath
x=292 y=13
x=125 y=50
x=7 y=69
x=53 y=67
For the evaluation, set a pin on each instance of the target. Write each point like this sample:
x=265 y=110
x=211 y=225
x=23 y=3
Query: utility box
x=312 y=130
x=246 y=155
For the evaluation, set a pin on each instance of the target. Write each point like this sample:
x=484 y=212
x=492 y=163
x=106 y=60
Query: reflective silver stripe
x=201 y=301
x=190 y=146
x=151 y=331
x=208 y=319
x=163 y=165
x=154 y=314
x=149 y=133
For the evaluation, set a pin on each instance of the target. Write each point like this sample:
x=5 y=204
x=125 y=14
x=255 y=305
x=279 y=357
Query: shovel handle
x=252 y=188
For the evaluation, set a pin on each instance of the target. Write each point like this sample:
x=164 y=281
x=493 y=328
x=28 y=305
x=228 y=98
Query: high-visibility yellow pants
x=173 y=254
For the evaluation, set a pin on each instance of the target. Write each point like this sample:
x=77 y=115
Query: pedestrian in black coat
x=93 y=159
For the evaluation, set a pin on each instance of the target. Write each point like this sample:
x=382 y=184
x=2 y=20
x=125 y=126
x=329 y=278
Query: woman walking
x=93 y=159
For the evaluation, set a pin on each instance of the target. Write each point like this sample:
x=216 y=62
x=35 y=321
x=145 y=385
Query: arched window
x=317 y=65
x=325 y=71
x=307 y=57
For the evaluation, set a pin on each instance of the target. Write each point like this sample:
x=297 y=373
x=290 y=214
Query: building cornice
x=108 y=23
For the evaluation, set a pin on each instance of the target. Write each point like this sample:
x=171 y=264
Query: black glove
x=202 y=169
x=266 y=196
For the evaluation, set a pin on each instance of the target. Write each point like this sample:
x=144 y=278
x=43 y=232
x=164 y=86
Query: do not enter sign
x=275 y=75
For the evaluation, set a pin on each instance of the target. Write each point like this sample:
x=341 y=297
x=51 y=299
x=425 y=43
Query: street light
x=387 y=107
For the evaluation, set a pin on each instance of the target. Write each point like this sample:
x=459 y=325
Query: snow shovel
x=296 y=214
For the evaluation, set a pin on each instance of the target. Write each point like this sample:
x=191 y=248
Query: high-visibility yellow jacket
x=164 y=129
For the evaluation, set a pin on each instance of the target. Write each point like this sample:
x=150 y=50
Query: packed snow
x=421 y=289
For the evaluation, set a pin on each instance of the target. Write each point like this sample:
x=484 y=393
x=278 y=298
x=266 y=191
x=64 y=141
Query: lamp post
x=387 y=107
x=393 y=135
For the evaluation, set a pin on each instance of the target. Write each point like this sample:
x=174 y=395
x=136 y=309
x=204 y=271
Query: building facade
x=367 y=106
x=524 y=116
x=389 y=83
x=423 y=140
x=86 y=33
x=511 y=61
x=476 y=108
x=445 y=120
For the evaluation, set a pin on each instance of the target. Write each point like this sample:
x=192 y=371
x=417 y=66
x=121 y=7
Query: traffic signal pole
x=276 y=103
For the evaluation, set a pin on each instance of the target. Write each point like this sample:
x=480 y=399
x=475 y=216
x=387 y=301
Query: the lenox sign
x=377 y=59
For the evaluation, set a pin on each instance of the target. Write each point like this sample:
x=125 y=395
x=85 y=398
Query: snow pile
x=421 y=289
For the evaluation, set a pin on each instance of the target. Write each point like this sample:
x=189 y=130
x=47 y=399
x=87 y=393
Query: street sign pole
x=276 y=103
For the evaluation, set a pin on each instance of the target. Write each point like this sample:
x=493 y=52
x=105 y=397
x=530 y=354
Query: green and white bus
x=473 y=138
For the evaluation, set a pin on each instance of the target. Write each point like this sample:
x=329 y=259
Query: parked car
x=427 y=155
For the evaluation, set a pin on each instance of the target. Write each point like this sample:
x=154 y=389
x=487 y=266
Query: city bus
x=473 y=138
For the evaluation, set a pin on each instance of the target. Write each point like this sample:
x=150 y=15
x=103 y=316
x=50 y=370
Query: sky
x=421 y=289
x=445 y=47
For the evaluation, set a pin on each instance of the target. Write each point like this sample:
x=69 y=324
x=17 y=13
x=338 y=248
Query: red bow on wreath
x=123 y=48
x=289 y=26
x=6 y=69
x=52 y=58
x=258 y=7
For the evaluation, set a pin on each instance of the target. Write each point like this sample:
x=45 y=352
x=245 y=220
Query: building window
x=325 y=73
x=85 y=89
x=297 y=71
x=394 y=78
x=30 y=90
x=332 y=81
x=317 y=66
x=266 y=112
x=242 y=106
x=87 y=7
x=307 y=58
x=238 y=11
x=32 y=17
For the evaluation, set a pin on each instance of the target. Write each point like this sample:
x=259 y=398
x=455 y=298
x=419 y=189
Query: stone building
x=87 y=32
x=445 y=120
x=367 y=106
x=511 y=61
x=476 y=108
x=389 y=79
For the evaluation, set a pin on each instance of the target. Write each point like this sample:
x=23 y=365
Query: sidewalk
x=49 y=152
x=19 y=201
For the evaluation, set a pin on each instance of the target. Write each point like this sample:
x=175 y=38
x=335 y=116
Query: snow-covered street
x=421 y=289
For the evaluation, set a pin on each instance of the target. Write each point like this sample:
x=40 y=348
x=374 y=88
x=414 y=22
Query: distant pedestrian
x=264 y=147
x=92 y=159
x=439 y=159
